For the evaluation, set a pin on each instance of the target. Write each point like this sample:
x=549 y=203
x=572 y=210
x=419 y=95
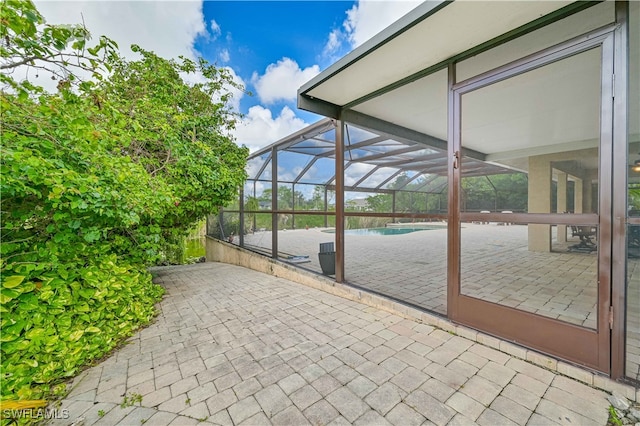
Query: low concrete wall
x=220 y=251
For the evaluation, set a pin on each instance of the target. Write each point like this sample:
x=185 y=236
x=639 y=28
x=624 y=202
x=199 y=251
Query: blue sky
x=241 y=37
x=270 y=47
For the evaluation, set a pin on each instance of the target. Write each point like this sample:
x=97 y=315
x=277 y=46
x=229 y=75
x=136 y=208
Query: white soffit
x=420 y=106
x=457 y=27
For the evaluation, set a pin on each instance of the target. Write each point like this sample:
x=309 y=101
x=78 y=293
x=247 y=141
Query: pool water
x=386 y=231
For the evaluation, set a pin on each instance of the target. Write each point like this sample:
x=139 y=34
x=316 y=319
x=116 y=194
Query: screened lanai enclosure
x=395 y=207
x=486 y=172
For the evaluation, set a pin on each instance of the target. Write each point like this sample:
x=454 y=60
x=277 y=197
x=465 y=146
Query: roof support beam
x=360 y=144
x=264 y=166
x=402 y=134
x=437 y=159
x=306 y=169
x=405 y=150
x=299 y=136
x=318 y=106
x=416 y=176
x=389 y=179
x=427 y=182
x=363 y=178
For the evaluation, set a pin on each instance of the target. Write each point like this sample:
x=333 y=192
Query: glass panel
x=404 y=261
x=632 y=369
x=377 y=178
x=259 y=167
x=355 y=172
x=499 y=264
x=540 y=132
x=356 y=135
x=258 y=237
x=229 y=228
x=310 y=197
x=285 y=196
x=262 y=195
x=495 y=193
x=290 y=165
x=301 y=245
x=322 y=170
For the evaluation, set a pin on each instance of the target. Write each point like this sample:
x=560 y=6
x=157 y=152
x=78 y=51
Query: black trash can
x=327 y=258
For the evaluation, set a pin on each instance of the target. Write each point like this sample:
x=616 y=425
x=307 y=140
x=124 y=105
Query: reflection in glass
x=498 y=266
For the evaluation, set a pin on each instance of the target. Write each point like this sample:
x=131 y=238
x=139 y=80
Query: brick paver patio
x=233 y=346
x=496 y=266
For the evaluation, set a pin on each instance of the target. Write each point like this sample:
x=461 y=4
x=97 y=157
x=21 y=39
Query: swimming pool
x=387 y=231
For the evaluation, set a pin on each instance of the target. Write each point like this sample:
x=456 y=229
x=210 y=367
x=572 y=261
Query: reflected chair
x=633 y=241
x=586 y=235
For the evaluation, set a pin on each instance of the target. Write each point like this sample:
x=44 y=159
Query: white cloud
x=167 y=28
x=282 y=80
x=224 y=56
x=259 y=128
x=237 y=94
x=215 y=29
x=369 y=17
x=364 y=20
x=355 y=172
x=334 y=43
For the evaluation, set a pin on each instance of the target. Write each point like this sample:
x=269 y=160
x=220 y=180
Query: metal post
x=274 y=202
x=255 y=216
x=339 y=201
x=393 y=205
x=293 y=205
x=241 y=230
x=221 y=224
x=620 y=150
x=326 y=208
x=453 y=199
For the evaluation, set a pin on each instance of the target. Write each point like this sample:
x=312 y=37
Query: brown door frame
x=620 y=220
x=591 y=348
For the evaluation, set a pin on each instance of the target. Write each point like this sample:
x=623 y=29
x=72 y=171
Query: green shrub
x=98 y=181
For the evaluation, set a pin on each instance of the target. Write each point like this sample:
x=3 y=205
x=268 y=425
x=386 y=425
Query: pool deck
x=232 y=346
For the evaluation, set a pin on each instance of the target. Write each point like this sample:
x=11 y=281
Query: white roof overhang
x=424 y=40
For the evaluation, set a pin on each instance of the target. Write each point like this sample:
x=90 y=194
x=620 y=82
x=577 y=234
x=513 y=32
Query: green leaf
x=76 y=335
x=12 y=281
x=35 y=333
x=92 y=236
x=7 y=295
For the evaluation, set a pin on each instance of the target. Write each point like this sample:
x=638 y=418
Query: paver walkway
x=235 y=346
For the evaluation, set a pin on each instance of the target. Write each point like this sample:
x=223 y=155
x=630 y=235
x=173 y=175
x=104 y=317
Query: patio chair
x=586 y=235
